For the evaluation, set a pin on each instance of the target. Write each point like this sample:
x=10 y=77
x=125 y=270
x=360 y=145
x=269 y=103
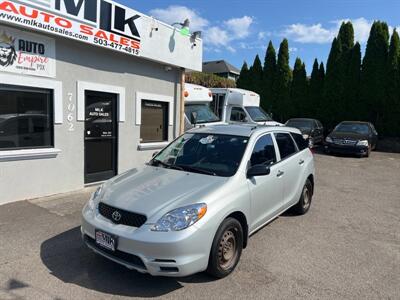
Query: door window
x=238 y=114
x=300 y=141
x=26 y=117
x=285 y=144
x=263 y=152
x=154 y=127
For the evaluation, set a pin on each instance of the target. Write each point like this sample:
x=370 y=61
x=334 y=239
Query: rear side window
x=263 y=152
x=285 y=144
x=300 y=141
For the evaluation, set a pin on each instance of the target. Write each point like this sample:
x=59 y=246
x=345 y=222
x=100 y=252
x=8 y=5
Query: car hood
x=348 y=135
x=154 y=189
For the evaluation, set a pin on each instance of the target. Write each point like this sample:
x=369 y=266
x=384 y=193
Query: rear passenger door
x=289 y=166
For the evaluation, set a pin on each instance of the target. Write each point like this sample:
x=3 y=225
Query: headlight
x=181 y=218
x=92 y=204
x=305 y=136
x=362 y=143
x=328 y=140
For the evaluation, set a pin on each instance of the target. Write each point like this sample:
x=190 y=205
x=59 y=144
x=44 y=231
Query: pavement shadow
x=71 y=261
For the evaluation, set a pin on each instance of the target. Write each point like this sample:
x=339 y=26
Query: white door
x=289 y=166
x=266 y=191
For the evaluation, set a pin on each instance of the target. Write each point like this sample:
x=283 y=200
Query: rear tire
x=304 y=203
x=226 y=248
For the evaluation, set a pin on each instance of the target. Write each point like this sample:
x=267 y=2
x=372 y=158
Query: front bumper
x=174 y=254
x=346 y=149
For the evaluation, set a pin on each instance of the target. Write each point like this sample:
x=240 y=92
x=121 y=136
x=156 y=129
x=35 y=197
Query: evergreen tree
x=346 y=36
x=243 y=80
x=333 y=86
x=269 y=70
x=282 y=83
x=321 y=99
x=373 y=73
x=298 y=91
x=256 y=75
x=352 y=85
x=315 y=94
x=391 y=104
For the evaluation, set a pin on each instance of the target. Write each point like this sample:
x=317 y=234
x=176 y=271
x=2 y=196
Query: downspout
x=182 y=103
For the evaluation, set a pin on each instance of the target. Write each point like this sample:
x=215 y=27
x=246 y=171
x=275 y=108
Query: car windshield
x=204 y=153
x=204 y=114
x=257 y=114
x=352 y=127
x=300 y=124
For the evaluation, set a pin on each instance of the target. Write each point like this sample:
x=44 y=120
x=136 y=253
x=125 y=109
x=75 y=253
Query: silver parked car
x=194 y=205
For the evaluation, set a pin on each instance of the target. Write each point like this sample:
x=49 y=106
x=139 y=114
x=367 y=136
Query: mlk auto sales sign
x=99 y=22
x=26 y=53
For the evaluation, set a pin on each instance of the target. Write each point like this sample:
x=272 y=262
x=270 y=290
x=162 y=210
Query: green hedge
x=209 y=80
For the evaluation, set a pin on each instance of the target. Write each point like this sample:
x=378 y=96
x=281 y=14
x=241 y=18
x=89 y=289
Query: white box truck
x=197 y=106
x=238 y=105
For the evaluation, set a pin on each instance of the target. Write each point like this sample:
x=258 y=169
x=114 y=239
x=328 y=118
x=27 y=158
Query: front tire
x=304 y=203
x=226 y=248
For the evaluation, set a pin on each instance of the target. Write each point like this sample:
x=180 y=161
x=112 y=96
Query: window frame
x=51 y=102
x=277 y=146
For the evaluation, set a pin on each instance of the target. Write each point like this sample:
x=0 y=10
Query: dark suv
x=352 y=137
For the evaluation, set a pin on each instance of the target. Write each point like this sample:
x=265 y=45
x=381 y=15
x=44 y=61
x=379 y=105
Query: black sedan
x=352 y=137
x=312 y=130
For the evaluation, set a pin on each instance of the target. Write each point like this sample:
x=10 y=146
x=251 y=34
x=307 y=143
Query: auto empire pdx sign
x=99 y=22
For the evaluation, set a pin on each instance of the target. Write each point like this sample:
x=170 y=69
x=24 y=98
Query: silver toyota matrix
x=194 y=205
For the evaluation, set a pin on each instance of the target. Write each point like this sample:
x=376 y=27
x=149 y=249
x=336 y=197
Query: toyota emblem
x=116 y=216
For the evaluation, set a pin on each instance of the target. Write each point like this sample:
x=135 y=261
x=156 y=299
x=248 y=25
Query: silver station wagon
x=194 y=205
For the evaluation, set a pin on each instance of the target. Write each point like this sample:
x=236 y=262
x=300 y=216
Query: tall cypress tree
x=243 y=80
x=282 y=82
x=352 y=84
x=315 y=92
x=256 y=75
x=373 y=72
x=298 y=91
x=269 y=71
x=391 y=104
x=333 y=85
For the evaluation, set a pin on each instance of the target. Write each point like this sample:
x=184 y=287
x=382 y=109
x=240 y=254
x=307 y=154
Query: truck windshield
x=203 y=111
x=204 y=153
x=257 y=114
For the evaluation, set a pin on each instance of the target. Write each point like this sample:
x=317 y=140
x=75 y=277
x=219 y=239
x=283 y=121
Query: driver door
x=266 y=192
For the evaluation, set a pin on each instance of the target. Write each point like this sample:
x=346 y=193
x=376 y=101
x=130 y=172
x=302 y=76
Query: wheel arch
x=241 y=217
x=311 y=178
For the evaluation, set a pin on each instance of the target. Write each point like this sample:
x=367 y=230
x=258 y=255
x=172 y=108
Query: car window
x=319 y=124
x=300 y=141
x=373 y=129
x=238 y=114
x=263 y=152
x=285 y=144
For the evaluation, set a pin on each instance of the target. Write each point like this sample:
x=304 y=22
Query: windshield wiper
x=196 y=170
x=168 y=166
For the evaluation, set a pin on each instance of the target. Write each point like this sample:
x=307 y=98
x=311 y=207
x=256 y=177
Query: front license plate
x=106 y=240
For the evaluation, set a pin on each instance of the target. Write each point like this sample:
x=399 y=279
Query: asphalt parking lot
x=346 y=247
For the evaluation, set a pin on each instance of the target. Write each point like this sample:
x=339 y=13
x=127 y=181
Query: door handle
x=280 y=173
x=301 y=162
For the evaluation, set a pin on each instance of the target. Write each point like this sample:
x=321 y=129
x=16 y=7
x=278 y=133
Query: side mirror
x=193 y=117
x=154 y=154
x=258 y=170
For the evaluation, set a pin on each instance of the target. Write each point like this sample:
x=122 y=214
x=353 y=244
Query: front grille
x=123 y=256
x=121 y=216
x=346 y=142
